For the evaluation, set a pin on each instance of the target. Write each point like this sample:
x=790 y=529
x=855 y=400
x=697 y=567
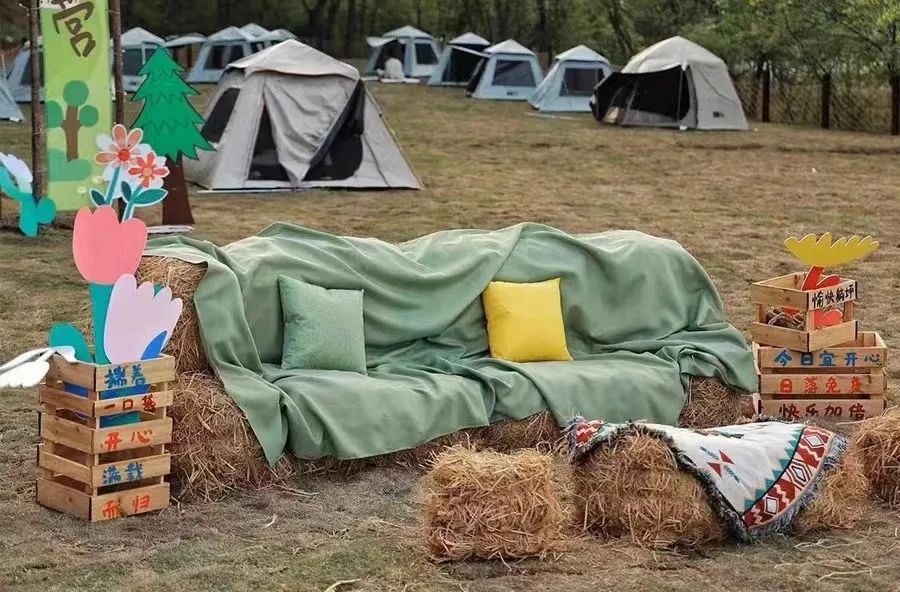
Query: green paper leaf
x=54 y=114
x=28 y=217
x=66 y=334
x=148 y=197
x=45 y=211
x=88 y=116
x=98 y=198
x=75 y=93
x=126 y=191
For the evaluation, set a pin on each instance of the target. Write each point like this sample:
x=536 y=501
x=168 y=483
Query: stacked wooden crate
x=834 y=372
x=96 y=472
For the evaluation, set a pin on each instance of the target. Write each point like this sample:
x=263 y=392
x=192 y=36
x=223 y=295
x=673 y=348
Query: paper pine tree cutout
x=821 y=253
x=170 y=127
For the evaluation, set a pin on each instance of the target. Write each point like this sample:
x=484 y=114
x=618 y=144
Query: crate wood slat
x=804 y=341
x=63 y=498
x=836 y=409
x=112 y=473
x=824 y=384
x=133 y=435
x=866 y=352
x=104 y=377
x=784 y=291
x=103 y=407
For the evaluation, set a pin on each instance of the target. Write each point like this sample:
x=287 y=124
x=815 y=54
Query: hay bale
x=842 y=499
x=711 y=403
x=634 y=489
x=214 y=451
x=490 y=505
x=878 y=440
x=182 y=278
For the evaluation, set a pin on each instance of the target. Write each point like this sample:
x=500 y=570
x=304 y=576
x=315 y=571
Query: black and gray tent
x=292 y=117
x=674 y=83
x=8 y=108
x=459 y=60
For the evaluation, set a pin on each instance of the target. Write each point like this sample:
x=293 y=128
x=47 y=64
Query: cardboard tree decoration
x=170 y=125
x=821 y=253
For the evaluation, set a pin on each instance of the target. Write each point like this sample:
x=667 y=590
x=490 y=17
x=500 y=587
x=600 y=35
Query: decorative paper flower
x=18 y=170
x=103 y=248
x=148 y=172
x=139 y=320
x=822 y=253
x=122 y=148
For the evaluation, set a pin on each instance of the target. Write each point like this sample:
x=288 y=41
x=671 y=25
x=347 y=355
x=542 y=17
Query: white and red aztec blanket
x=757 y=476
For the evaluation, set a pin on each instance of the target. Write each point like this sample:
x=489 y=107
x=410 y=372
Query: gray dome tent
x=674 y=83
x=459 y=60
x=571 y=80
x=415 y=48
x=291 y=117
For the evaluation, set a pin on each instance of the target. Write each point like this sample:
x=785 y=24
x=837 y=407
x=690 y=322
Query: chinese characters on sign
x=832 y=296
x=118 y=376
x=850 y=410
x=72 y=15
x=811 y=384
x=141 y=436
x=826 y=358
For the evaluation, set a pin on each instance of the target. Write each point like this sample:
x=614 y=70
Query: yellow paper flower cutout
x=824 y=253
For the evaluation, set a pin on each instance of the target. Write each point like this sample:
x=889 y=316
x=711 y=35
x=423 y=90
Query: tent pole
x=38 y=139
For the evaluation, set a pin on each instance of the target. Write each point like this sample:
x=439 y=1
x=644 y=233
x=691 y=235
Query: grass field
x=729 y=198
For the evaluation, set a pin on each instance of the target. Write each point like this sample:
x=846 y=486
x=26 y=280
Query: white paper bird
x=28 y=369
x=18 y=170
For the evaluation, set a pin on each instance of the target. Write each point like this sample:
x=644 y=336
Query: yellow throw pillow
x=524 y=321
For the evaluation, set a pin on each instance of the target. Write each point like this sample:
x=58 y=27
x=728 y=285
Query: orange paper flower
x=118 y=150
x=147 y=170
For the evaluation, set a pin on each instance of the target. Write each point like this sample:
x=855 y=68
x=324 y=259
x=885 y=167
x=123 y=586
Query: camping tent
x=675 y=83
x=184 y=48
x=137 y=46
x=508 y=71
x=570 y=82
x=459 y=60
x=293 y=117
x=416 y=49
x=220 y=49
x=277 y=36
x=255 y=31
x=19 y=76
x=8 y=108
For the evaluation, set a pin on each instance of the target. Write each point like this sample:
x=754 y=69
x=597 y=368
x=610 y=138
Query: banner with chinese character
x=77 y=95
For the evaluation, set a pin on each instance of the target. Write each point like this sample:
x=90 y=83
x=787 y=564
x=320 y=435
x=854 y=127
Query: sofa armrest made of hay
x=641 y=316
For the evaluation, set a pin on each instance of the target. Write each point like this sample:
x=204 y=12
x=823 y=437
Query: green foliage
x=168 y=118
x=61 y=169
x=76 y=93
x=88 y=116
x=54 y=114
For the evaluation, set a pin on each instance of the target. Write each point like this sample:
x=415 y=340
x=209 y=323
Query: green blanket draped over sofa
x=641 y=316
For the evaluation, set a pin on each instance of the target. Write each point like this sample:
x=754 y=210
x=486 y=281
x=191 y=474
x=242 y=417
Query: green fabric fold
x=641 y=317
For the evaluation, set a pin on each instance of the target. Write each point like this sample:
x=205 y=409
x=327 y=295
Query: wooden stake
x=115 y=18
x=38 y=139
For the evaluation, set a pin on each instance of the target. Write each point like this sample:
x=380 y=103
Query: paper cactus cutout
x=824 y=253
x=76 y=115
x=15 y=181
x=821 y=253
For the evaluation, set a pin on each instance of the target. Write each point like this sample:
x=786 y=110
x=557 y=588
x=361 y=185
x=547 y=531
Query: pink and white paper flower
x=136 y=317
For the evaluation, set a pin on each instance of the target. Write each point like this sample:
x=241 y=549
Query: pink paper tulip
x=103 y=248
x=136 y=316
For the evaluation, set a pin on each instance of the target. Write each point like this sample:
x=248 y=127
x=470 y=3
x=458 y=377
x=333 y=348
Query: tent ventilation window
x=425 y=54
x=580 y=82
x=216 y=59
x=265 y=165
x=513 y=73
x=218 y=119
x=132 y=60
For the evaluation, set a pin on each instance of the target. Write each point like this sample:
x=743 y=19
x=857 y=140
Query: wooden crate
x=784 y=292
x=100 y=473
x=846 y=382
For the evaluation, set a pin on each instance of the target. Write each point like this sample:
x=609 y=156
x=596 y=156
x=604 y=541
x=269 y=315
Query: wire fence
x=856 y=102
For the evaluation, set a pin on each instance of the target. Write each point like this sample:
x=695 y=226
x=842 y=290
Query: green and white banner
x=77 y=95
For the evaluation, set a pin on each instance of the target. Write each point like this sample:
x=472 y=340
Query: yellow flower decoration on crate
x=824 y=253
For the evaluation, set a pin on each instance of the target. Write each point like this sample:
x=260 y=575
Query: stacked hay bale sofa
x=643 y=323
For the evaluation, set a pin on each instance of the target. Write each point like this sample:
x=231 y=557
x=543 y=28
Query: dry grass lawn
x=729 y=198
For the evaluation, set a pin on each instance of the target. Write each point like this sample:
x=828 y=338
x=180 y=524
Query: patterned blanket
x=758 y=476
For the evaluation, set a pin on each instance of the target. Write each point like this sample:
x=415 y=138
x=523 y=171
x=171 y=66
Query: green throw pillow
x=323 y=329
